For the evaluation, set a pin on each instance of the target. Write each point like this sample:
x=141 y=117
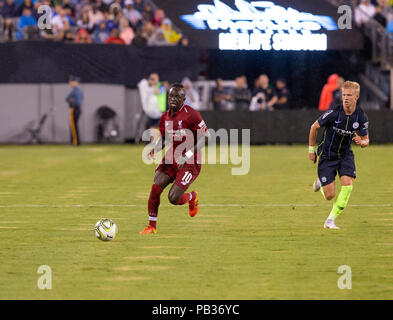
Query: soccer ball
x=106 y=229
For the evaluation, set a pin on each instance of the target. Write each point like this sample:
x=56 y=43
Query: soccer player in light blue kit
x=343 y=124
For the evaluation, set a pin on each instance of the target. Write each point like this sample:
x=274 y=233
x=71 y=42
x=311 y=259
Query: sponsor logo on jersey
x=178 y=133
x=342 y=132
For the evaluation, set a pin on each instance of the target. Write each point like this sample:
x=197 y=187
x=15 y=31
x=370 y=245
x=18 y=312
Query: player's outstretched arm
x=361 y=141
x=311 y=141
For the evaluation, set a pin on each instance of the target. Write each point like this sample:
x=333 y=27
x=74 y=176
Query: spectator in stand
x=133 y=15
x=69 y=8
x=139 y=40
x=101 y=33
x=68 y=35
x=384 y=14
x=80 y=6
x=126 y=32
x=61 y=25
x=116 y=11
x=184 y=42
x=241 y=94
x=148 y=12
x=157 y=39
x=85 y=23
x=327 y=92
x=148 y=30
x=95 y=16
x=262 y=85
x=115 y=7
x=364 y=12
x=26 y=4
x=379 y=16
x=118 y=17
x=101 y=5
x=170 y=35
x=139 y=5
x=114 y=37
x=110 y=24
x=9 y=11
x=222 y=97
x=283 y=95
x=27 y=19
x=83 y=37
x=107 y=3
x=192 y=95
x=158 y=18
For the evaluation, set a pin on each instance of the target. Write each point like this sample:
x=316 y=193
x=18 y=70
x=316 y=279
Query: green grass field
x=257 y=236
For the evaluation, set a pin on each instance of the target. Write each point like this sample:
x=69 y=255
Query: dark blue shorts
x=328 y=169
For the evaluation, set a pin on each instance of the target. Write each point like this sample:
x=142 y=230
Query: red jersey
x=182 y=130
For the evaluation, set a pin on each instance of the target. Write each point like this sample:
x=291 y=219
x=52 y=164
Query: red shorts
x=182 y=178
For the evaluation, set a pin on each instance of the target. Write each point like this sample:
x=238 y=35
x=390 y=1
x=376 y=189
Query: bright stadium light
x=262 y=25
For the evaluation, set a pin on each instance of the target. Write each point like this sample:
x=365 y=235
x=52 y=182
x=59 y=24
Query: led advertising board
x=261 y=25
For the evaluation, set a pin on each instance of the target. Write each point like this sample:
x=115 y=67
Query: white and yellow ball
x=106 y=229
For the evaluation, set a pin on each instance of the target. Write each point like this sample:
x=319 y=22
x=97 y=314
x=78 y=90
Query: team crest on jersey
x=355 y=125
x=180 y=124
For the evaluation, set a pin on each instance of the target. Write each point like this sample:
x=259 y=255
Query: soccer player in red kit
x=184 y=131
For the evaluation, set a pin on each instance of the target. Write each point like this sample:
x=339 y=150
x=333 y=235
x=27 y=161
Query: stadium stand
x=375 y=19
x=74 y=18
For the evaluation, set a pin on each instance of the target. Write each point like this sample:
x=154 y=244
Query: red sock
x=153 y=204
x=185 y=198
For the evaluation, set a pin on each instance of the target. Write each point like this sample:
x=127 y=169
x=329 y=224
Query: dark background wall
x=291 y=126
x=48 y=62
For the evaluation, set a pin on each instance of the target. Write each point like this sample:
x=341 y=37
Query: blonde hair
x=352 y=85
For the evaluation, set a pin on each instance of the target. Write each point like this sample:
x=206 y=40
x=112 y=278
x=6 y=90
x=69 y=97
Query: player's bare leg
x=341 y=202
x=329 y=191
x=177 y=196
x=161 y=181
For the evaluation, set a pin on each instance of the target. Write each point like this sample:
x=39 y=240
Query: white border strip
x=380 y=205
